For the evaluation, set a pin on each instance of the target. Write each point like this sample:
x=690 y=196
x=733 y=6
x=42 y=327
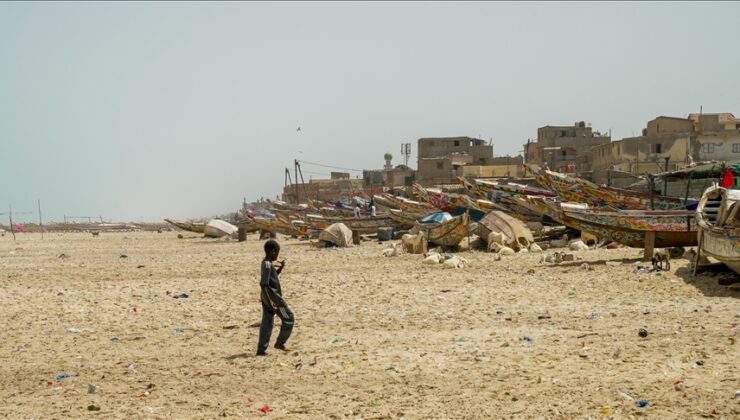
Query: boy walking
x=272 y=301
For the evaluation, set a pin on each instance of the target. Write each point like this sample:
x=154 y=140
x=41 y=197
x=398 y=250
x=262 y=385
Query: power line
x=329 y=166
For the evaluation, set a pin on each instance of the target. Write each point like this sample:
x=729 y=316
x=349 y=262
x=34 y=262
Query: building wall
x=668 y=125
x=442 y=146
x=491 y=171
x=322 y=189
x=574 y=142
x=639 y=155
x=435 y=171
x=724 y=145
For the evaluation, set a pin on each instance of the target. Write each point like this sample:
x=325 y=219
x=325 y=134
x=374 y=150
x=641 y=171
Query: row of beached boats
x=632 y=218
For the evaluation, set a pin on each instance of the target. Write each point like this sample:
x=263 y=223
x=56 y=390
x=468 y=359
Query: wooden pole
x=10 y=219
x=649 y=246
x=41 y=224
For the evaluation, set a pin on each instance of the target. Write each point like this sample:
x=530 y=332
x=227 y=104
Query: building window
x=457 y=143
x=439 y=165
x=735 y=147
x=563 y=155
x=563 y=133
x=708 y=148
x=657 y=148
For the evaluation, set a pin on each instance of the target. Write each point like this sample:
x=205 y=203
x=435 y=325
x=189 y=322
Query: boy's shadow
x=238 y=356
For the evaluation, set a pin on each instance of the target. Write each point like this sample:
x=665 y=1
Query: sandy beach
x=375 y=337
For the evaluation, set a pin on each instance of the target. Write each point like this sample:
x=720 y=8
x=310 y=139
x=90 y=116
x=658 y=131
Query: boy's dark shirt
x=271 y=293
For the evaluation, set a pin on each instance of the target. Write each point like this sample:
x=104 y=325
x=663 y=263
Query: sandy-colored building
x=667 y=143
x=561 y=148
x=443 y=159
x=322 y=189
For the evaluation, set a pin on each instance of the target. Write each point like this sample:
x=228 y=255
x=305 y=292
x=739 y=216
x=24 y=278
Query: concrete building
x=679 y=140
x=439 y=157
x=562 y=148
x=322 y=189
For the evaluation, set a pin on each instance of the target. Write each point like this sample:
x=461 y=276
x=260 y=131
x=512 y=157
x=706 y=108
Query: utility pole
x=41 y=224
x=10 y=219
x=665 y=178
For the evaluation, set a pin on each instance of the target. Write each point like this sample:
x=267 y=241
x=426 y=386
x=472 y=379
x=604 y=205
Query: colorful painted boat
x=489 y=189
x=188 y=226
x=389 y=201
x=672 y=228
x=448 y=233
x=599 y=196
x=443 y=201
x=718 y=217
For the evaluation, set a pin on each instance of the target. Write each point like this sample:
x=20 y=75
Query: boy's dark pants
x=286 y=326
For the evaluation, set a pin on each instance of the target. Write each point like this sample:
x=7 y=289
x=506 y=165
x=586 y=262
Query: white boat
x=718 y=219
x=218 y=228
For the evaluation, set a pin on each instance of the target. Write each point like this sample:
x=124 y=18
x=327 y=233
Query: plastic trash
x=114 y=338
x=179 y=331
x=134 y=310
x=679 y=386
x=572 y=294
x=73 y=330
x=93 y=407
x=182 y=295
x=124 y=255
x=642 y=332
x=265 y=409
x=91 y=389
x=62 y=376
x=527 y=338
x=642 y=403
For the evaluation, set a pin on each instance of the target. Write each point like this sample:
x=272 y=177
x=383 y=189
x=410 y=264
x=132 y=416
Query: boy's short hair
x=272 y=245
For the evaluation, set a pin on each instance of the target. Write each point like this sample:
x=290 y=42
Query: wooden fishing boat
x=489 y=189
x=634 y=228
x=362 y=225
x=517 y=235
x=281 y=226
x=405 y=220
x=600 y=196
x=718 y=217
x=448 y=233
x=389 y=201
x=443 y=201
x=188 y=226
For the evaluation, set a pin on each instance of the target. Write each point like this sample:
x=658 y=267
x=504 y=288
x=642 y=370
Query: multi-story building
x=439 y=157
x=668 y=143
x=562 y=148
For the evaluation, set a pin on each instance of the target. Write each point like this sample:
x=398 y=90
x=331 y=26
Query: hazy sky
x=139 y=111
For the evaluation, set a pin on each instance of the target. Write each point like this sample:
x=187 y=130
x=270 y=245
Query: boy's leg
x=286 y=325
x=265 y=330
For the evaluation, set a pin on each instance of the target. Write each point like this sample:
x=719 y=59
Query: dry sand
x=375 y=337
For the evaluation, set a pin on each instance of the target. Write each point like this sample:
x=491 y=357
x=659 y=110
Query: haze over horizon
x=140 y=111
